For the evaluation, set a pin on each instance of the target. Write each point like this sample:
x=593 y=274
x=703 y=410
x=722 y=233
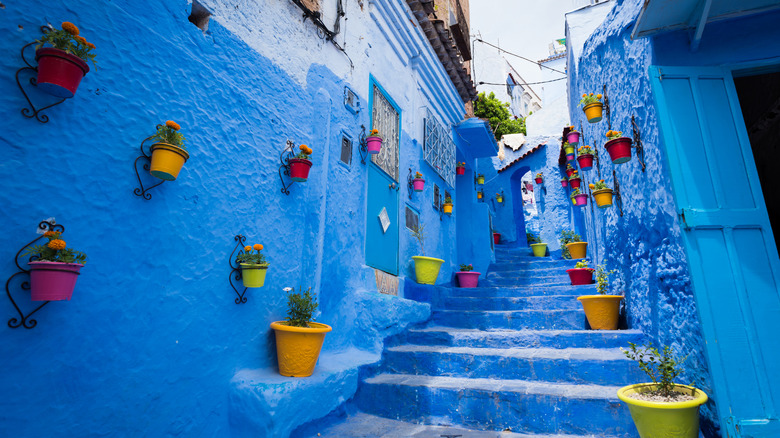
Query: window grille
x=385 y=118
x=412 y=219
x=439 y=149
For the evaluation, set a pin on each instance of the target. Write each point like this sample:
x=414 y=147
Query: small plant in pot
x=585 y=157
x=661 y=408
x=480 y=179
x=580 y=274
x=54 y=268
x=602 y=194
x=298 y=338
x=539 y=248
x=539 y=178
x=573 y=137
x=602 y=310
x=168 y=153
x=253 y=266
x=499 y=198
x=374 y=142
x=564 y=182
x=426 y=269
x=572 y=246
x=460 y=168
x=619 y=147
x=496 y=237
x=418 y=182
x=592 y=106
x=467 y=277
x=578 y=198
x=574 y=180
x=480 y=194
x=62 y=66
x=569 y=150
x=569 y=170
x=447 y=206
x=301 y=164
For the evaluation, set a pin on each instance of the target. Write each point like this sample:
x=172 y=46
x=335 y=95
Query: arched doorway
x=524 y=203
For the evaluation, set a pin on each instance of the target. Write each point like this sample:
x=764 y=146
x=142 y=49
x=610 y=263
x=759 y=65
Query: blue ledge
x=475 y=138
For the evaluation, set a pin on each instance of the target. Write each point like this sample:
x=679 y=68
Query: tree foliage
x=497 y=113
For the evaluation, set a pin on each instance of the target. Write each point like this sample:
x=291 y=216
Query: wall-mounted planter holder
x=640 y=150
x=363 y=148
x=26 y=321
x=500 y=198
x=606 y=108
x=295 y=168
x=618 y=200
x=166 y=173
x=235 y=272
x=32 y=111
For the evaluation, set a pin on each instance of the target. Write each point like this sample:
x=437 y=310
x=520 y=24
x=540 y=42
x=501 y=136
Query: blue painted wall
x=152 y=341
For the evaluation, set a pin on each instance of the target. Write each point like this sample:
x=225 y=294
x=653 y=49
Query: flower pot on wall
x=447 y=208
x=426 y=269
x=575 y=182
x=569 y=152
x=419 y=184
x=539 y=249
x=298 y=348
x=602 y=311
x=580 y=276
x=664 y=419
x=167 y=161
x=569 y=172
x=619 y=150
x=594 y=112
x=539 y=180
x=253 y=275
x=299 y=169
x=496 y=238
x=586 y=161
x=578 y=250
x=480 y=180
x=467 y=279
x=603 y=198
x=581 y=200
x=59 y=72
x=460 y=170
x=53 y=281
x=374 y=145
x=573 y=137
x=564 y=182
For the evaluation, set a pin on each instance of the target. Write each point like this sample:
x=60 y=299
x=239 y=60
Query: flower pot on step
x=496 y=238
x=53 y=281
x=539 y=249
x=298 y=348
x=619 y=150
x=299 y=169
x=59 y=72
x=167 y=161
x=594 y=112
x=374 y=145
x=603 y=198
x=586 y=161
x=602 y=311
x=664 y=419
x=578 y=250
x=426 y=269
x=467 y=279
x=579 y=276
x=253 y=275
x=581 y=200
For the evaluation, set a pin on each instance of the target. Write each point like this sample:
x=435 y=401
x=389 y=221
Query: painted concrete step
x=571 y=319
x=598 y=366
x=521 y=267
x=529 y=260
x=462 y=337
x=502 y=281
x=518 y=291
x=557 y=302
x=522 y=406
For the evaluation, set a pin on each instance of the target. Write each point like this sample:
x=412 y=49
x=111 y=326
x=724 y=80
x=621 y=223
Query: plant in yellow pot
x=661 y=408
x=447 y=206
x=601 y=193
x=298 y=339
x=602 y=310
x=426 y=269
x=168 y=153
x=572 y=246
x=253 y=266
x=592 y=106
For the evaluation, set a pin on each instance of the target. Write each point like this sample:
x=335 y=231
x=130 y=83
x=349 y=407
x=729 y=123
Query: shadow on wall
x=517 y=206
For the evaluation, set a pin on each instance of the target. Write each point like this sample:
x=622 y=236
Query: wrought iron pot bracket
x=284 y=158
x=410 y=183
x=32 y=111
x=141 y=191
x=235 y=272
x=640 y=150
x=363 y=148
x=607 y=109
x=26 y=321
x=618 y=198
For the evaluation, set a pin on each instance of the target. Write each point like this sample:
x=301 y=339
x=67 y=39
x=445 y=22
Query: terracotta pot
x=619 y=150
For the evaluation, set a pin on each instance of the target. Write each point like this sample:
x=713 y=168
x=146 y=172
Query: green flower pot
x=253 y=275
x=658 y=419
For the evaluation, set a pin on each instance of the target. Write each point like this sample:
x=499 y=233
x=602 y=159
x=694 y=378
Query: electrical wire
x=521 y=57
x=520 y=83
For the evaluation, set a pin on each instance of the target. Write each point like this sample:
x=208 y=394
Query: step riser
x=553 y=275
x=568 y=302
x=533 y=320
x=583 y=339
x=530 y=282
x=524 y=269
x=528 y=291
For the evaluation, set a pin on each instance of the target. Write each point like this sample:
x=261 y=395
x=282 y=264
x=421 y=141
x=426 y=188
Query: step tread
x=581 y=354
x=508 y=332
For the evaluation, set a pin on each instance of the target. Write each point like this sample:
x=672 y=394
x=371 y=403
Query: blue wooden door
x=731 y=250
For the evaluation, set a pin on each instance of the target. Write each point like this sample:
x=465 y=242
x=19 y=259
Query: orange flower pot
x=594 y=112
x=298 y=348
x=447 y=208
x=603 y=198
x=578 y=250
x=602 y=311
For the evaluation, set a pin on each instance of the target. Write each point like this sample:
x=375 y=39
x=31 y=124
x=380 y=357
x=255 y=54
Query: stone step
x=552 y=302
x=519 y=291
x=490 y=404
x=462 y=337
x=536 y=277
x=572 y=319
x=524 y=268
x=568 y=365
x=532 y=261
x=526 y=281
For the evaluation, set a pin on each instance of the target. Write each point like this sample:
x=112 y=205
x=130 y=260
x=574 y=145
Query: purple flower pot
x=374 y=145
x=468 y=279
x=53 y=281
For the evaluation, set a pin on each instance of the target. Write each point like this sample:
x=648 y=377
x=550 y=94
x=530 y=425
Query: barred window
x=439 y=149
x=385 y=118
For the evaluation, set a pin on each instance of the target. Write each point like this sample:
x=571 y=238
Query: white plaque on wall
x=384 y=219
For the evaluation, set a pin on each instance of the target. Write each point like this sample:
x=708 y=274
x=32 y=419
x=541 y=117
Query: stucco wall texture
x=152 y=343
x=644 y=245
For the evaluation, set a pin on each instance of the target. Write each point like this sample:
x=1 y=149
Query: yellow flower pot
x=659 y=419
x=593 y=112
x=447 y=208
x=569 y=150
x=426 y=269
x=167 y=161
x=480 y=180
x=603 y=198
x=500 y=199
x=298 y=348
x=540 y=249
x=578 y=250
x=602 y=311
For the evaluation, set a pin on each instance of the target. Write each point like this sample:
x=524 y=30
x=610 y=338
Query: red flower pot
x=299 y=169
x=467 y=279
x=496 y=238
x=575 y=182
x=586 y=161
x=581 y=200
x=418 y=184
x=539 y=180
x=569 y=172
x=374 y=145
x=564 y=183
x=59 y=72
x=460 y=170
x=573 y=137
x=619 y=150
x=53 y=281
x=580 y=276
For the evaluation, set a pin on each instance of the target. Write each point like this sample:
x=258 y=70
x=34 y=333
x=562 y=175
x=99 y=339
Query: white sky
x=524 y=27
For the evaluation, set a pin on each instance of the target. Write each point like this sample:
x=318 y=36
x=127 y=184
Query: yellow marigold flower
x=57 y=244
x=258 y=246
x=592 y=186
x=173 y=125
x=374 y=132
x=247 y=248
x=90 y=45
x=70 y=28
x=601 y=180
x=309 y=151
x=81 y=39
x=598 y=96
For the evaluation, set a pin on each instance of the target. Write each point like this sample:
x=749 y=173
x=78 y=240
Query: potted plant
x=499 y=198
x=575 y=180
x=62 y=66
x=418 y=182
x=579 y=199
x=592 y=107
x=480 y=194
x=447 y=206
x=539 y=178
x=480 y=179
x=602 y=194
x=496 y=237
x=662 y=408
x=426 y=269
x=569 y=170
x=299 y=339
x=564 y=182
x=168 y=153
x=253 y=266
x=54 y=268
x=460 y=168
x=569 y=150
x=585 y=157
x=619 y=147
x=467 y=277
x=580 y=274
x=602 y=310
x=572 y=246
x=539 y=248
x=573 y=137
x=300 y=164
x=374 y=142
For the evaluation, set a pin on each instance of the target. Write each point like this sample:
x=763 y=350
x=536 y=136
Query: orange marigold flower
x=584 y=95
x=591 y=94
x=601 y=180
x=48 y=234
x=303 y=147
x=81 y=39
x=173 y=125
x=70 y=28
x=309 y=151
x=247 y=248
x=592 y=186
x=57 y=244
x=598 y=96
x=90 y=45
x=258 y=246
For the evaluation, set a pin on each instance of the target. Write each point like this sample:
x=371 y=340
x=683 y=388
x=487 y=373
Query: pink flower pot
x=580 y=276
x=581 y=200
x=586 y=161
x=299 y=169
x=564 y=183
x=573 y=137
x=569 y=157
x=418 y=184
x=460 y=170
x=619 y=150
x=575 y=183
x=374 y=145
x=467 y=279
x=59 y=72
x=53 y=281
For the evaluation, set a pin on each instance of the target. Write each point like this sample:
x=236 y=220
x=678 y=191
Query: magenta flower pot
x=564 y=183
x=53 y=281
x=581 y=200
x=586 y=161
x=619 y=150
x=575 y=182
x=569 y=157
x=468 y=279
x=374 y=145
x=573 y=137
x=418 y=184
x=580 y=276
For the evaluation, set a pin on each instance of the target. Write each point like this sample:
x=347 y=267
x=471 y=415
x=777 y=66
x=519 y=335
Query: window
x=439 y=149
x=385 y=117
x=346 y=150
x=412 y=219
x=199 y=16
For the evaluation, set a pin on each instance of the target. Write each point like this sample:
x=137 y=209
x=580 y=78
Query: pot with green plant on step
x=539 y=248
x=580 y=274
x=467 y=276
x=253 y=266
x=569 y=241
x=426 y=269
x=602 y=310
x=661 y=408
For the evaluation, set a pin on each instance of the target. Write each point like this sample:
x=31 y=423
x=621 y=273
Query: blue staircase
x=513 y=355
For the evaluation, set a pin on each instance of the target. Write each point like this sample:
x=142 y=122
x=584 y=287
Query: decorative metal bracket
x=440 y=207
x=618 y=198
x=32 y=111
x=26 y=320
x=287 y=153
x=640 y=150
x=144 y=191
x=410 y=183
x=607 y=109
x=363 y=149
x=235 y=272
